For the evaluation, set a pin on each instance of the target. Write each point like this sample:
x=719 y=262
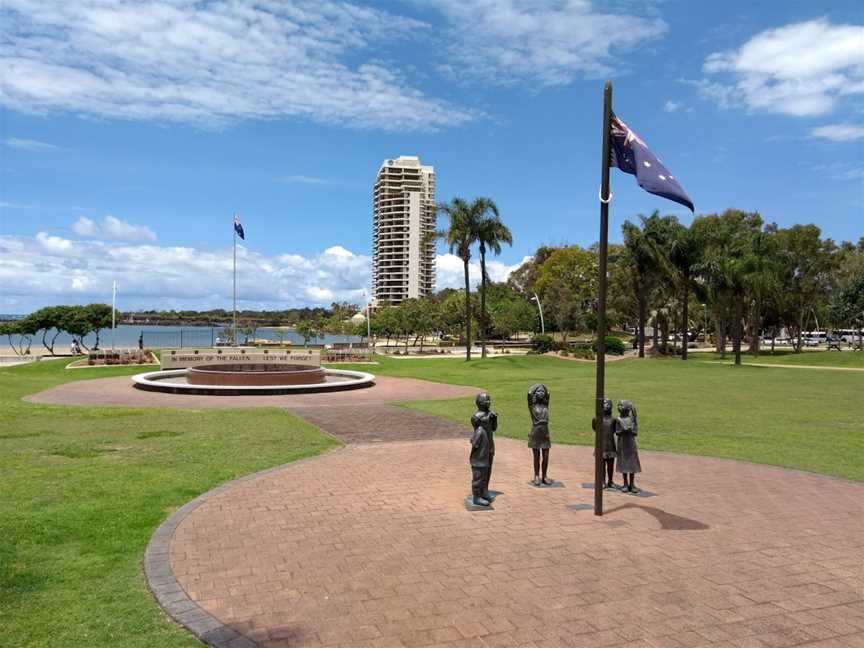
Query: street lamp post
x=368 y=320
x=535 y=298
x=705 y=319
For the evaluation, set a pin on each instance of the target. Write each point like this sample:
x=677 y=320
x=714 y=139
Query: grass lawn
x=798 y=419
x=83 y=489
x=854 y=359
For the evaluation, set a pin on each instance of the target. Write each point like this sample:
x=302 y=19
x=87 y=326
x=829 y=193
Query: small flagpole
x=113 y=313
x=234 y=230
x=601 y=300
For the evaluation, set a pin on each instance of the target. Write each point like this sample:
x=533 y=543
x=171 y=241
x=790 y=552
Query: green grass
x=797 y=419
x=854 y=359
x=83 y=489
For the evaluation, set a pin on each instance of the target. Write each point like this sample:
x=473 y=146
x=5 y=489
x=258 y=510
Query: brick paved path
x=370 y=546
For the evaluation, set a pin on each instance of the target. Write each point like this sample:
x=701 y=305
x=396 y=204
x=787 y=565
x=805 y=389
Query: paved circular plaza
x=371 y=546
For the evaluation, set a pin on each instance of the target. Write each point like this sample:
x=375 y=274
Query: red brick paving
x=119 y=391
x=371 y=547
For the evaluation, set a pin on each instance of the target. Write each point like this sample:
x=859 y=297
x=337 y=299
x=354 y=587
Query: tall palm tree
x=640 y=261
x=460 y=235
x=491 y=233
x=685 y=254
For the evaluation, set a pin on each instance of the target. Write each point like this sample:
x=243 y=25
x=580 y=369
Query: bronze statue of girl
x=538 y=438
x=628 y=454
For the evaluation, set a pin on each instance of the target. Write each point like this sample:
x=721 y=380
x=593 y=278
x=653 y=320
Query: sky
x=131 y=130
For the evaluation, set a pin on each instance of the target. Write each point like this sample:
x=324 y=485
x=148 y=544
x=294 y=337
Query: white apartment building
x=403 y=225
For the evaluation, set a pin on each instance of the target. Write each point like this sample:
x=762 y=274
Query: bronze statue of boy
x=485 y=422
x=607 y=440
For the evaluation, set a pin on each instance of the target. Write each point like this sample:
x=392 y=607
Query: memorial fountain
x=241 y=371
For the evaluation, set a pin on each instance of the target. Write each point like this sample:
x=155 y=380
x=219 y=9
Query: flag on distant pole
x=238 y=228
x=630 y=154
x=238 y=231
x=621 y=148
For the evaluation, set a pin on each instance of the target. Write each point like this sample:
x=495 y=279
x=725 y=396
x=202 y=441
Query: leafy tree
x=491 y=233
x=522 y=279
x=847 y=306
x=50 y=321
x=24 y=332
x=308 y=329
x=807 y=262
x=562 y=309
x=75 y=323
x=385 y=323
x=98 y=317
x=451 y=312
x=509 y=311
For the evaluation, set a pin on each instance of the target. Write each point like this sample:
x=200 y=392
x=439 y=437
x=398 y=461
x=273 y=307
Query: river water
x=157 y=336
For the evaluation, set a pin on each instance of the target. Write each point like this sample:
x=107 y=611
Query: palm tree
x=640 y=260
x=684 y=255
x=460 y=235
x=491 y=233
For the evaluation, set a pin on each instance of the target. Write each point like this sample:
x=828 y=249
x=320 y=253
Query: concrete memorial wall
x=183 y=358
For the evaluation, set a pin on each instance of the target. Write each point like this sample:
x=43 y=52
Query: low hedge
x=614 y=345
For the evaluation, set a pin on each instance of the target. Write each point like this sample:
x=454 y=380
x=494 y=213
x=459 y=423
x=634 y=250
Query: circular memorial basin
x=270 y=379
x=255 y=374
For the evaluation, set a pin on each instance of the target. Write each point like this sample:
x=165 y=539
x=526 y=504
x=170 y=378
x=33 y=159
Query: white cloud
x=214 y=62
x=47 y=269
x=676 y=106
x=28 y=144
x=85 y=227
x=53 y=244
x=303 y=179
x=800 y=69
x=119 y=230
x=840 y=171
x=113 y=228
x=546 y=41
x=839 y=132
x=450 y=272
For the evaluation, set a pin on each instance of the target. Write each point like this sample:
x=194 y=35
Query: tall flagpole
x=601 y=299
x=234 y=334
x=113 y=312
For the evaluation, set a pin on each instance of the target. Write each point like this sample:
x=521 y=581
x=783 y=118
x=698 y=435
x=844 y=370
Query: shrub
x=614 y=345
x=541 y=343
x=584 y=352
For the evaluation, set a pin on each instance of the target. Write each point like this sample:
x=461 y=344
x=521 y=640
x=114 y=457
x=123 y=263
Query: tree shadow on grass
x=668 y=521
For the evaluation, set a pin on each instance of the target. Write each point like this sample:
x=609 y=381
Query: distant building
x=403 y=225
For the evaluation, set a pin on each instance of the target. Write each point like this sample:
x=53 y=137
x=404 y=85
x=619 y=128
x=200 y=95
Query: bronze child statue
x=485 y=422
x=607 y=440
x=538 y=438
x=628 y=453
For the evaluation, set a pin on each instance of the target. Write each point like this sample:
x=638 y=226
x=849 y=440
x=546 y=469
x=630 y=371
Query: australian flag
x=632 y=155
x=238 y=228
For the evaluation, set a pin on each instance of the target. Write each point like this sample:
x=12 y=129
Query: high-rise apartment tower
x=403 y=225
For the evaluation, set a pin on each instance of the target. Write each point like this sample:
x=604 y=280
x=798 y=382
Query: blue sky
x=129 y=132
